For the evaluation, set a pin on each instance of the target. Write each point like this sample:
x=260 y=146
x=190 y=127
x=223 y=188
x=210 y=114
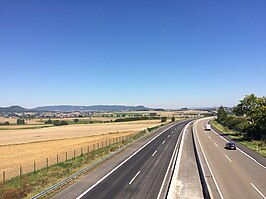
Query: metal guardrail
x=77 y=174
x=84 y=170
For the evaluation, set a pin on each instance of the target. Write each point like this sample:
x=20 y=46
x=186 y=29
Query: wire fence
x=20 y=170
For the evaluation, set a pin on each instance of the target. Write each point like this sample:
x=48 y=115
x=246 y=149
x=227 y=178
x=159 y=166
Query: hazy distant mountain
x=63 y=108
x=13 y=109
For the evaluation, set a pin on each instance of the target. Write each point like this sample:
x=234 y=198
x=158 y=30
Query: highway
x=235 y=174
x=139 y=176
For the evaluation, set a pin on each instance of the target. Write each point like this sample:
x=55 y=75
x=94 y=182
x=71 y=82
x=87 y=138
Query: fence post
x=88 y=149
x=102 y=144
x=20 y=171
x=74 y=153
x=66 y=156
x=34 y=167
x=93 y=147
x=4 y=177
x=57 y=159
x=97 y=146
x=106 y=142
x=81 y=151
x=47 y=163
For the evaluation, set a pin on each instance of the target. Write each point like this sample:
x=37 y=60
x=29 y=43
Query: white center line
x=215 y=144
x=228 y=158
x=163 y=142
x=134 y=178
x=258 y=190
x=154 y=153
x=168 y=136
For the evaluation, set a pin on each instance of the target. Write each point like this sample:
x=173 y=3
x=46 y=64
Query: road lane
x=143 y=174
x=233 y=170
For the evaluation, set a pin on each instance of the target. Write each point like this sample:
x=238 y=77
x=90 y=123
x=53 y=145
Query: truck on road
x=208 y=127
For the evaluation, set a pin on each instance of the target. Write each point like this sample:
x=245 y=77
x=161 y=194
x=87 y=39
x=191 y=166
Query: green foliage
x=128 y=119
x=221 y=115
x=63 y=122
x=163 y=119
x=48 y=121
x=20 y=121
x=173 y=119
x=56 y=123
x=76 y=120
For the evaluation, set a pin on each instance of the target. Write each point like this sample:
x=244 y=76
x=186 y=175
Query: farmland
x=22 y=147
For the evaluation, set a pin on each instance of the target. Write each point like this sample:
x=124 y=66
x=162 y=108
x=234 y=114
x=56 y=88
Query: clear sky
x=166 y=54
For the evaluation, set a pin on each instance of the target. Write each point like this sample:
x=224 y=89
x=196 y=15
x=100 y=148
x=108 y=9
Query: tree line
x=248 y=117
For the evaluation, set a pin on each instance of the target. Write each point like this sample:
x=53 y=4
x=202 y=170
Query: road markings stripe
x=154 y=153
x=99 y=181
x=228 y=158
x=168 y=136
x=257 y=190
x=215 y=144
x=134 y=178
x=163 y=142
x=241 y=150
x=208 y=165
x=210 y=137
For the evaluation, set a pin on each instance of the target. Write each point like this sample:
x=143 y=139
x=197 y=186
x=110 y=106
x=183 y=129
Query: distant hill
x=66 y=108
x=13 y=109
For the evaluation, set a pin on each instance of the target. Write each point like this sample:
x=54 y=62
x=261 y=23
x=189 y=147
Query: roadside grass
x=255 y=145
x=33 y=183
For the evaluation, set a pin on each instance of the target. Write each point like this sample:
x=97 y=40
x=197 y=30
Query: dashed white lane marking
x=168 y=136
x=210 y=137
x=215 y=144
x=163 y=142
x=154 y=153
x=257 y=190
x=134 y=178
x=228 y=158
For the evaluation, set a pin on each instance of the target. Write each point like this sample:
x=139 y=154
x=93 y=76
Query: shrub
x=20 y=121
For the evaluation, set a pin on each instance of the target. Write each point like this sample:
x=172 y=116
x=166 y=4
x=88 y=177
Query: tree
x=163 y=119
x=173 y=119
x=221 y=115
x=6 y=123
x=56 y=123
x=63 y=122
x=48 y=121
x=20 y=121
x=76 y=120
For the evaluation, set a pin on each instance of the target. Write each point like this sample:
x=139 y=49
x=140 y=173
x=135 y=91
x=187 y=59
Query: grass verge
x=255 y=145
x=30 y=184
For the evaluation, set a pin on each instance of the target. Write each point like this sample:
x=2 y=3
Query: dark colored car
x=230 y=145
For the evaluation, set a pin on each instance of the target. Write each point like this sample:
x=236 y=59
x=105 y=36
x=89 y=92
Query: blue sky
x=166 y=54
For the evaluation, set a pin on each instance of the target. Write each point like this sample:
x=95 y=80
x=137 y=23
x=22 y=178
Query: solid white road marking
x=228 y=158
x=163 y=142
x=99 y=181
x=134 y=178
x=215 y=144
x=154 y=153
x=240 y=150
x=257 y=190
x=208 y=165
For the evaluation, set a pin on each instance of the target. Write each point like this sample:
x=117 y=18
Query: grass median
x=255 y=145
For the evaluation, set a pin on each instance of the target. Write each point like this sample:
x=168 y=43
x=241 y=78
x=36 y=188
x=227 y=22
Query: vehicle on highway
x=208 y=127
x=230 y=145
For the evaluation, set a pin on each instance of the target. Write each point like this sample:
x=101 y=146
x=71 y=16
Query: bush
x=163 y=119
x=20 y=121
x=56 y=123
x=6 y=123
x=173 y=119
x=63 y=122
x=48 y=121
x=76 y=120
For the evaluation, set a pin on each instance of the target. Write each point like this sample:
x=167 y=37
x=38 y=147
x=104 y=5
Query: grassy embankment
x=255 y=145
x=30 y=184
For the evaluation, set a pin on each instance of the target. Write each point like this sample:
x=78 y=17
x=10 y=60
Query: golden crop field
x=19 y=136
x=22 y=147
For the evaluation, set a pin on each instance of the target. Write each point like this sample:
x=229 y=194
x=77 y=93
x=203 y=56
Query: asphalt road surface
x=142 y=175
x=236 y=175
